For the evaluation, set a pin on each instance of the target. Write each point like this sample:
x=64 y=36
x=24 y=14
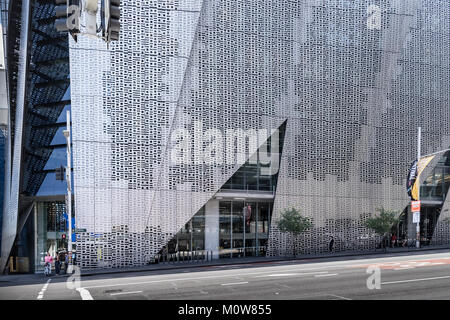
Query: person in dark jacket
x=57 y=265
x=331 y=245
x=66 y=263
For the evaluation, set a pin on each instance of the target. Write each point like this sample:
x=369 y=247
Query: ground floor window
x=243 y=228
x=242 y=231
x=51 y=225
x=191 y=237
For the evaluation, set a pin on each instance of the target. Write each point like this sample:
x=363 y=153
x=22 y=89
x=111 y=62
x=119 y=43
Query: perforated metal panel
x=353 y=92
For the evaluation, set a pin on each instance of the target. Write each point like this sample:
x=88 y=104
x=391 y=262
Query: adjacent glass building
x=38 y=95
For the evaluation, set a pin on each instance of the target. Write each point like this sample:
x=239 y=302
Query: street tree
x=382 y=222
x=293 y=222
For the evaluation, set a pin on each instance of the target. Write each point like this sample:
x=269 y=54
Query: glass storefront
x=244 y=228
x=50 y=227
x=191 y=237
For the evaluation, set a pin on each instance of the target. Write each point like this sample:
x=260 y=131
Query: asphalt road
x=413 y=276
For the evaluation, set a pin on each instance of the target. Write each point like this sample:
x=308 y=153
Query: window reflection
x=436 y=184
x=243 y=230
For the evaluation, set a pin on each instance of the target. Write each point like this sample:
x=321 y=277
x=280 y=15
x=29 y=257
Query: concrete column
x=212 y=227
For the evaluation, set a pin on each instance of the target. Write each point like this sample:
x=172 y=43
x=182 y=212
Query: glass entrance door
x=244 y=228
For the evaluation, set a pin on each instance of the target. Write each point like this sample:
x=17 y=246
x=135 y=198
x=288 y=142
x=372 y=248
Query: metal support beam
x=38 y=115
x=52 y=105
x=46 y=21
x=52 y=62
x=47 y=171
x=53 y=41
x=53 y=83
x=53 y=146
x=50 y=125
x=34 y=155
x=42 y=75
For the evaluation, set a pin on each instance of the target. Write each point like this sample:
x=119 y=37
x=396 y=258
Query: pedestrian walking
x=66 y=262
x=331 y=245
x=393 y=241
x=48 y=261
x=62 y=260
x=57 y=265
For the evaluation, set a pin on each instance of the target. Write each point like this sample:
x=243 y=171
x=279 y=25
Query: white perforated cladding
x=353 y=98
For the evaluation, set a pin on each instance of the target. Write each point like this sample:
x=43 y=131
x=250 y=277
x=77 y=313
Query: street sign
x=80 y=230
x=415 y=206
x=416 y=217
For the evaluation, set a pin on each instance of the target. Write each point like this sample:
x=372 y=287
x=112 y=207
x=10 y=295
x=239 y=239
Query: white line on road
x=279 y=275
x=84 y=293
x=130 y=292
x=233 y=283
x=415 y=280
x=340 y=297
x=191 y=279
x=290 y=274
x=334 y=265
x=326 y=275
x=44 y=288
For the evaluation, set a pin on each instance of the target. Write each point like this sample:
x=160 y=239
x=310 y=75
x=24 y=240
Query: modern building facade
x=349 y=80
x=208 y=119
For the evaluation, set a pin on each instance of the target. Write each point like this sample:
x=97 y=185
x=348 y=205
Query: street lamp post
x=419 y=133
x=67 y=134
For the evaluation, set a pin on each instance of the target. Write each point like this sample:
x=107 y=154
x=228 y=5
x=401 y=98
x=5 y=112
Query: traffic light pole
x=67 y=134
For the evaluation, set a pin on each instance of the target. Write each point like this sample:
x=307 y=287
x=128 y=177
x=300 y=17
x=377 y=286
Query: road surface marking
x=130 y=292
x=84 y=293
x=44 y=288
x=233 y=283
x=340 y=297
x=280 y=275
x=336 y=265
x=192 y=279
x=416 y=280
x=429 y=262
x=291 y=274
x=326 y=275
